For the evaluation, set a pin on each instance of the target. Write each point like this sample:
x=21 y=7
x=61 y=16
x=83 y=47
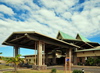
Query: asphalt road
x=92 y=70
x=86 y=69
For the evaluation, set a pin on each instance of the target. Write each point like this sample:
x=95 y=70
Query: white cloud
x=6 y=10
x=67 y=15
x=59 y=6
x=12 y=1
x=54 y=15
x=21 y=4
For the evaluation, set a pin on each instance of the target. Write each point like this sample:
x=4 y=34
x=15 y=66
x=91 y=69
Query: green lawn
x=35 y=71
x=4 y=67
x=31 y=71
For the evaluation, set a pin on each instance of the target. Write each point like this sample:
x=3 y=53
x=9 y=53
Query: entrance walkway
x=91 y=69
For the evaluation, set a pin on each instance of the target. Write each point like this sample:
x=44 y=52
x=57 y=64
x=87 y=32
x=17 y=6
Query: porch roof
x=92 y=49
x=27 y=40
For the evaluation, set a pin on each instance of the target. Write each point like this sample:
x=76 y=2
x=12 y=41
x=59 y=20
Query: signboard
x=67 y=60
x=67 y=64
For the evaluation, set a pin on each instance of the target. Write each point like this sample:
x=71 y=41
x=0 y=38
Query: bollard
x=82 y=70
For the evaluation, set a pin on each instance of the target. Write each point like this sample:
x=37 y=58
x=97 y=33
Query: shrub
x=90 y=61
x=79 y=63
x=53 y=70
x=77 y=71
x=97 y=61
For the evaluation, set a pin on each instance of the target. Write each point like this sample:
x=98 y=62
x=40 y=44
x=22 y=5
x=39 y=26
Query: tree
x=0 y=56
x=97 y=61
x=15 y=60
x=0 y=52
x=90 y=61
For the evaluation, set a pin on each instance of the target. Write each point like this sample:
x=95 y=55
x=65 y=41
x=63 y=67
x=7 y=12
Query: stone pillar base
x=37 y=67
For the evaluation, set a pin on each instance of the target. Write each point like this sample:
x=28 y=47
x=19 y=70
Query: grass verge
x=4 y=67
x=35 y=71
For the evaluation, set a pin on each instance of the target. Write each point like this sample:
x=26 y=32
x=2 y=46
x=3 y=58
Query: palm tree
x=15 y=60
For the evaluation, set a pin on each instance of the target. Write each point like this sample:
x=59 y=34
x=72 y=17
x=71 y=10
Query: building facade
x=52 y=51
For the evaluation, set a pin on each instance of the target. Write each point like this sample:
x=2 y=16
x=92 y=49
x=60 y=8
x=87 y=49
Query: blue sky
x=69 y=16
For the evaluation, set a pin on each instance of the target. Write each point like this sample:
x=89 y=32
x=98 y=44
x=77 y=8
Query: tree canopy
x=0 y=52
x=15 y=60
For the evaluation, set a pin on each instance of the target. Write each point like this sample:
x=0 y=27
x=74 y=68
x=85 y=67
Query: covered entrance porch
x=42 y=43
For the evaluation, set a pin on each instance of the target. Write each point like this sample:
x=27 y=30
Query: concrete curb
x=86 y=66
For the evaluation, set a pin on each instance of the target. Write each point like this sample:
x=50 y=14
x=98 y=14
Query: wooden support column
x=35 y=60
x=16 y=50
x=40 y=61
x=39 y=53
x=54 y=57
x=46 y=58
x=70 y=53
x=43 y=46
x=68 y=56
x=75 y=58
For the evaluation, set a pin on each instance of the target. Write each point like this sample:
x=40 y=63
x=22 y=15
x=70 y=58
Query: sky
x=48 y=17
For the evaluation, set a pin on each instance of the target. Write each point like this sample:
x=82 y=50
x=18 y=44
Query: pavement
x=89 y=69
x=92 y=69
x=86 y=66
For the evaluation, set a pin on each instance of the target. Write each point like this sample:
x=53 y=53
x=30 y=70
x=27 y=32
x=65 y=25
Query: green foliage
x=97 y=61
x=79 y=63
x=53 y=70
x=77 y=71
x=0 y=58
x=90 y=61
x=15 y=60
x=0 y=52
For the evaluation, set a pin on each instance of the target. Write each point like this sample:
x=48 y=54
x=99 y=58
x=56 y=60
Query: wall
x=89 y=53
x=30 y=59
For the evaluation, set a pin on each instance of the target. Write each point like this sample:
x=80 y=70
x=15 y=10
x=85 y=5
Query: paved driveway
x=93 y=69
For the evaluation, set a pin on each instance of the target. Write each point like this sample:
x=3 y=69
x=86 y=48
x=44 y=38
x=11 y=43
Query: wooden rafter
x=16 y=39
x=88 y=44
x=45 y=41
x=10 y=44
x=34 y=36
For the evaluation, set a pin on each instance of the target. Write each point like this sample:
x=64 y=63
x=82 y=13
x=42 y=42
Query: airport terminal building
x=52 y=51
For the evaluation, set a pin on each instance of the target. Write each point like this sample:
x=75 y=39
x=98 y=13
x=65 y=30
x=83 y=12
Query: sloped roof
x=27 y=40
x=64 y=35
x=92 y=49
x=82 y=38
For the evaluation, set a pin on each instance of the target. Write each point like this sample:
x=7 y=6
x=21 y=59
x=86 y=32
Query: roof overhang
x=27 y=40
x=92 y=49
x=82 y=43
